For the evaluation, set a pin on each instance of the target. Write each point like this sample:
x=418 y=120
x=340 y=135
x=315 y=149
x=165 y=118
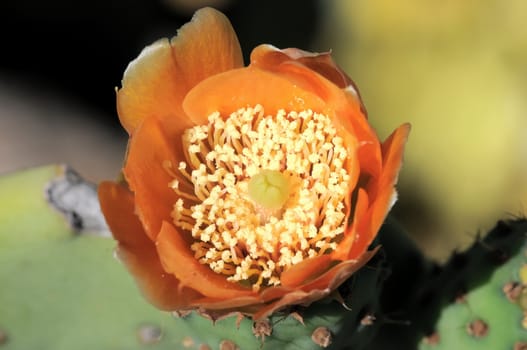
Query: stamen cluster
x=234 y=235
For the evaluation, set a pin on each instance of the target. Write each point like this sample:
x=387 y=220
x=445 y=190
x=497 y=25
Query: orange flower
x=247 y=189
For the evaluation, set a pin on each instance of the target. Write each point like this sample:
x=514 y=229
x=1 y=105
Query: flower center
x=261 y=193
x=269 y=188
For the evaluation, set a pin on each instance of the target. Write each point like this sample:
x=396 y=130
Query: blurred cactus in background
x=457 y=70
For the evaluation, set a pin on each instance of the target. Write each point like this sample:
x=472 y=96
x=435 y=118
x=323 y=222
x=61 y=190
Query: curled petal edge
x=137 y=252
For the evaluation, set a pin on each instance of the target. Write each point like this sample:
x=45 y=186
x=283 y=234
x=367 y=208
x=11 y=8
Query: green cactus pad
x=489 y=315
x=22 y=204
x=462 y=304
x=61 y=287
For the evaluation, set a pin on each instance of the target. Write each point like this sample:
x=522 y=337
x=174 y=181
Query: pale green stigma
x=269 y=188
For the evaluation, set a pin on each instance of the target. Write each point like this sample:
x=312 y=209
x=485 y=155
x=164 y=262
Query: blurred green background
x=457 y=70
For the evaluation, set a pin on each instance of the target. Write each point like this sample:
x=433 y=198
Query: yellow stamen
x=265 y=192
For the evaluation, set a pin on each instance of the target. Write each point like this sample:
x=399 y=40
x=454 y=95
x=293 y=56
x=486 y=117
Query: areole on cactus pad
x=246 y=189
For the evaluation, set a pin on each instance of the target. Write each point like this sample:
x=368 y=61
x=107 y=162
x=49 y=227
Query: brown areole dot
x=512 y=290
x=368 y=320
x=204 y=347
x=322 y=336
x=181 y=313
x=478 y=328
x=461 y=298
x=432 y=339
x=262 y=329
x=520 y=345
x=228 y=345
x=149 y=334
x=187 y=342
x=3 y=337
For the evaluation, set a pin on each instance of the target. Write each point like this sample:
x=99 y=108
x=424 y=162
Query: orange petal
x=149 y=152
x=151 y=87
x=384 y=195
x=306 y=270
x=155 y=83
x=117 y=205
x=138 y=252
x=228 y=304
x=313 y=290
x=177 y=259
x=272 y=293
x=293 y=298
x=267 y=56
x=206 y=46
x=392 y=149
x=335 y=276
x=352 y=237
x=247 y=87
x=353 y=168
